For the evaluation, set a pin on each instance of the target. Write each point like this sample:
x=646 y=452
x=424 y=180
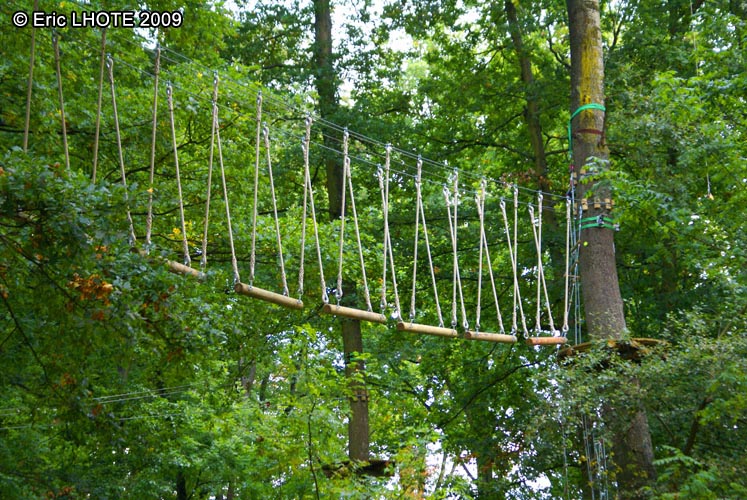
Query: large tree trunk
x=326 y=86
x=603 y=305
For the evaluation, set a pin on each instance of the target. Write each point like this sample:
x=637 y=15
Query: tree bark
x=326 y=86
x=603 y=305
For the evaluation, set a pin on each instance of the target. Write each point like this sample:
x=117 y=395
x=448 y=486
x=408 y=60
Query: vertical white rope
x=480 y=204
x=343 y=213
x=310 y=190
x=384 y=188
x=214 y=127
x=154 y=131
x=97 y=133
x=492 y=281
x=480 y=199
x=567 y=264
x=302 y=256
x=452 y=199
x=512 y=253
x=541 y=281
x=278 y=239
x=418 y=204
x=253 y=253
x=185 y=243
x=110 y=67
x=431 y=267
x=384 y=184
x=234 y=261
x=534 y=223
x=366 y=291
x=55 y=42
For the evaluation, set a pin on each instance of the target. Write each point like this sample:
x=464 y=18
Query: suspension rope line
x=309 y=190
x=110 y=67
x=366 y=291
x=566 y=294
x=234 y=260
x=154 y=131
x=214 y=126
x=384 y=188
x=30 y=86
x=185 y=243
x=517 y=292
x=418 y=201
x=98 y=110
x=55 y=42
x=343 y=214
x=421 y=217
x=253 y=255
x=480 y=199
x=278 y=239
x=541 y=281
x=301 y=270
x=452 y=201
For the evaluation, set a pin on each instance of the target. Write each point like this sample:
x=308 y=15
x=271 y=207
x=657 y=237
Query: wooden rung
x=426 y=329
x=349 y=312
x=490 y=337
x=275 y=298
x=546 y=340
x=178 y=268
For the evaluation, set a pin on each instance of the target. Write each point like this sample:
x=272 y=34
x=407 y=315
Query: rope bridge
x=416 y=239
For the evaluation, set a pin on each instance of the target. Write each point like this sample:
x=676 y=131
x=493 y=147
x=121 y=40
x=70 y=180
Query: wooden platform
x=630 y=349
x=372 y=468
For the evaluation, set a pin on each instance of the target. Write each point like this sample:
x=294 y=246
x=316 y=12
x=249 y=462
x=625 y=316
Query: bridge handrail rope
x=110 y=68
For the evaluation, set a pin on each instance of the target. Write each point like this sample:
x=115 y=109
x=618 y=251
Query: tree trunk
x=358 y=442
x=603 y=305
x=326 y=86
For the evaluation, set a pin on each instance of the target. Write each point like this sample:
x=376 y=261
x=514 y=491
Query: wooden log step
x=426 y=329
x=178 y=268
x=490 y=337
x=546 y=340
x=272 y=297
x=352 y=313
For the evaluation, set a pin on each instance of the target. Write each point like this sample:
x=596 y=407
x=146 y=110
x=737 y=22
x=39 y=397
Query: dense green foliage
x=122 y=380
